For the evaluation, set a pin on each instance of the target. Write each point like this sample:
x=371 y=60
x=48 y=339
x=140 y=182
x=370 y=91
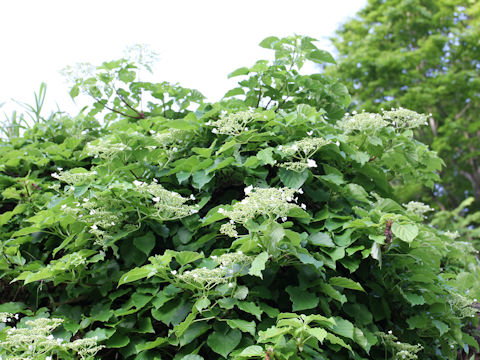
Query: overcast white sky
x=199 y=42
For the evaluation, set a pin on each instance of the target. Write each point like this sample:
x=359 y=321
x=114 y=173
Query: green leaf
x=235 y=91
x=202 y=303
x=414 y=299
x=441 y=326
x=137 y=274
x=269 y=42
x=241 y=293
x=360 y=157
x=318 y=333
x=321 y=239
x=265 y=156
x=333 y=178
x=292 y=179
x=118 y=340
x=258 y=265
x=345 y=283
x=343 y=327
x=338 y=341
x=201 y=178
x=252 y=350
x=223 y=343
x=159 y=341
x=184 y=325
x=251 y=308
x=238 y=72
x=192 y=357
x=242 y=325
x=302 y=299
x=357 y=192
x=12 y=307
x=74 y=91
x=272 y=332
x=407 y=232
x=320 y=57
x=145 y=243
x=186 y=257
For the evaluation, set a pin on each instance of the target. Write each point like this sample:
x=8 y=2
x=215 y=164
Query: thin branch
x=141 y=115
x=260 y=97
x=462 y=112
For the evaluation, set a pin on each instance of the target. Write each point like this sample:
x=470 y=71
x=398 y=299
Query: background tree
x=423 y=55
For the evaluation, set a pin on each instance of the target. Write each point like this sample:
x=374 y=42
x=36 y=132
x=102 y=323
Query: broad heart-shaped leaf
x=118 y=340
x=269 y=42
x=202 y=303
x=302 y=299
x=251 y=308
x=258 y=264
x=224 y=342
x=406 y=232
x=320 y=57
x=318 y=333
x=235 y=91
x=239 y=72
x=275 y=234
x=414 y=299
x=192 y=357
x=242 y=325
x=441 y=326
x=343 y=327
x=252 y=350
x=185 y=257
x=145 y=243
x=357 y=192
x=321 y=239
x=137 y=273
x=345 y=283
x=292 y=179
x=241 y=293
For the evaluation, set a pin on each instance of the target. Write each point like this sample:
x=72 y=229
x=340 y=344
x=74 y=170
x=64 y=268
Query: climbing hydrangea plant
x=262 y=226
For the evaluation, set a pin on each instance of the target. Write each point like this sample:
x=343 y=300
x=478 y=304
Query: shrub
x=260 y=226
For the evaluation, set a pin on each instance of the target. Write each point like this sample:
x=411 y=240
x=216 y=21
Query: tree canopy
x=423 y=55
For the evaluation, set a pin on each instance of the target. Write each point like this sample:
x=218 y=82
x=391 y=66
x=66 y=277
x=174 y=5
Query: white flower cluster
x=172 y=136
x=401 y=350
x=452 y=235
x=229 y=229
x=73 y=178
x=302 y=150
x=169 y=204
x=7 y=317
x=229 y=259
x=36 y=341
x=105 y=150
x=362 y=122
x=307 y=146
x=209 y=278
x=462 y=306
x=269 y=202
x=404 y=118
x=92 y=211
x=298 y=166
x=206 y=277
x=232 y=124
x=417 y=208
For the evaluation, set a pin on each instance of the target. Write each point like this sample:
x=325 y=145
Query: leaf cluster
x=168 y=240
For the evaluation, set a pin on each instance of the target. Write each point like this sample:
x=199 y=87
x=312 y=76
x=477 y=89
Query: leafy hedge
x=261 y=226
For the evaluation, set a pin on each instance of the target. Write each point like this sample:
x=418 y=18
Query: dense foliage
x=423 y=55
x=262 y=226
